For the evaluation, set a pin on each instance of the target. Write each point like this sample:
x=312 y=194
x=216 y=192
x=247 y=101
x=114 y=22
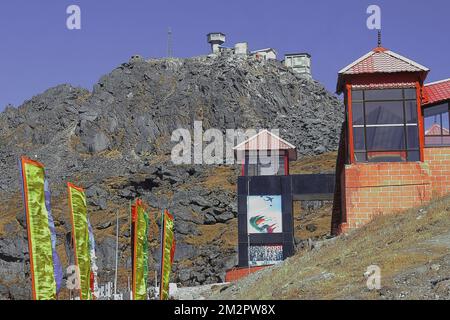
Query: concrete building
x=395 y=150
x=216 y=40
x=241 y=48
x=265 y=54
x=299 y=62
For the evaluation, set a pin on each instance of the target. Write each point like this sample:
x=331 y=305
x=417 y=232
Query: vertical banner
x=94 y=268
x=139 y=251
x=40 y=244
x=167 y=254
x=80 y=236
x=51 y=224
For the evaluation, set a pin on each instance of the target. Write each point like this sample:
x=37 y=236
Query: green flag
x=139 y=251
x=43 y=283
x=167 y=254
x=80 y=236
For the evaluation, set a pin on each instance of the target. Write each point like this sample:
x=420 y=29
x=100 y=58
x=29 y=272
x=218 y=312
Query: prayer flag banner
x=140 y=250
x=58 y=270
x=80 y=236
x=94 y=268
x=43 y=283
x=167 y=254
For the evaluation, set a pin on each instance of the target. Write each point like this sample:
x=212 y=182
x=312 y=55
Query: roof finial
x=379 y=38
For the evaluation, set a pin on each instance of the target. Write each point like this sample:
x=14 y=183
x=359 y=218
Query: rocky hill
x=411 y=250
x=115 y=141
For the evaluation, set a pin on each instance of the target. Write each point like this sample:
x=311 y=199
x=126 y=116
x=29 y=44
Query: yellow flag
x=43 y=283
x=80 y=236
x=168 y=252
x=139 y=251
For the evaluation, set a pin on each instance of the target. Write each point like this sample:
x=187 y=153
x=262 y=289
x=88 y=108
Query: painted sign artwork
x=265 y=255
x=264 y=214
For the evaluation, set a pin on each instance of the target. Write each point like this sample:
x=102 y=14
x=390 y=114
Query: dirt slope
x=412 y=250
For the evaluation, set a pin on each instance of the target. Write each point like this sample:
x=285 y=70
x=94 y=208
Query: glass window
x=358 y=113
x=411 y=111
x=281 y=167
x=413 y=137
x=383 y=95
x=360 y=156
x=358 y=137
x=252 y=170
x=385 y=138
x=413 y=156
x=357 y=95
x=255 y=167
x=385 y=125
x=410 y=94
x=268 y=169
x=387 y=156
x=390 y=112
x=437 y=129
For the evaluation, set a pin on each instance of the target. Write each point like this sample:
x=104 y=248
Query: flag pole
x=248 y=231
x=162 y=254
x=130 y=217
x=117 y=253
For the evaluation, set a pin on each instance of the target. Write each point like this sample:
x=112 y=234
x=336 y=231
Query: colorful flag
x=40 y=230
x=139 y=251
x=51 y=224
x=94 y=268
x=80 y=237
x=167 y=254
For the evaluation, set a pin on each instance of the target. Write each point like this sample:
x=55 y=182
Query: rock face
x=115 y=141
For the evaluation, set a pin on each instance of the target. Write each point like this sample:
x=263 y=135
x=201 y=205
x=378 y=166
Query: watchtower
x=216 y=39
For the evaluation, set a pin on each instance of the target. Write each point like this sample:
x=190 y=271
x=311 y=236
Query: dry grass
x=223 y=177
x=111 y=154
x=395 y=243
x=223 y=234
x=325 y=163
x=320 y=218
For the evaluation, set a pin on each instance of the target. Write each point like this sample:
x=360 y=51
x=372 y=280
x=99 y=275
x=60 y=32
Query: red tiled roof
x=436 y=129
x=266 y=140
x=436 y=92
x=393 y=85
x=381 y=60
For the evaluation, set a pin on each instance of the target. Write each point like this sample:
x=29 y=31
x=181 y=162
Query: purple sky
x=37 y=51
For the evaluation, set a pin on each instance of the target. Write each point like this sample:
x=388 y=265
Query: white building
x=265 y=54
x=299 y=62
x=241 y=48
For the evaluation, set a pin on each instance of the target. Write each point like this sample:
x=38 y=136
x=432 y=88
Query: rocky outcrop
x=115 y=141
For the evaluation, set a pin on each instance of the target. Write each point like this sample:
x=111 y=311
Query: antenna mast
x=169 y=43
x=379 y=38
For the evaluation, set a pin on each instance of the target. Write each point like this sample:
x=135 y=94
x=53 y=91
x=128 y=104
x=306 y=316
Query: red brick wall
x=236 y=274
x=379 y=188
x=439 y=161
x=370 y=189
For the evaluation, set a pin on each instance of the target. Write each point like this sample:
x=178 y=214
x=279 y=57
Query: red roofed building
x=395 y=147
x=436 y=92
x=249 y=153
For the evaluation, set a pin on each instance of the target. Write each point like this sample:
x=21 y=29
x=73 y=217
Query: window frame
x=403 y=153
x=435 y=135
x=254 y=169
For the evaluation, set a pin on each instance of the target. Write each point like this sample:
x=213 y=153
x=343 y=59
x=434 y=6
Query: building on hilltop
x=265 y=54
x=395 y=149
x=216 y=40
x=300 y=63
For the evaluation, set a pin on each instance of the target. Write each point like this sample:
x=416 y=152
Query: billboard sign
x=264 y=214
